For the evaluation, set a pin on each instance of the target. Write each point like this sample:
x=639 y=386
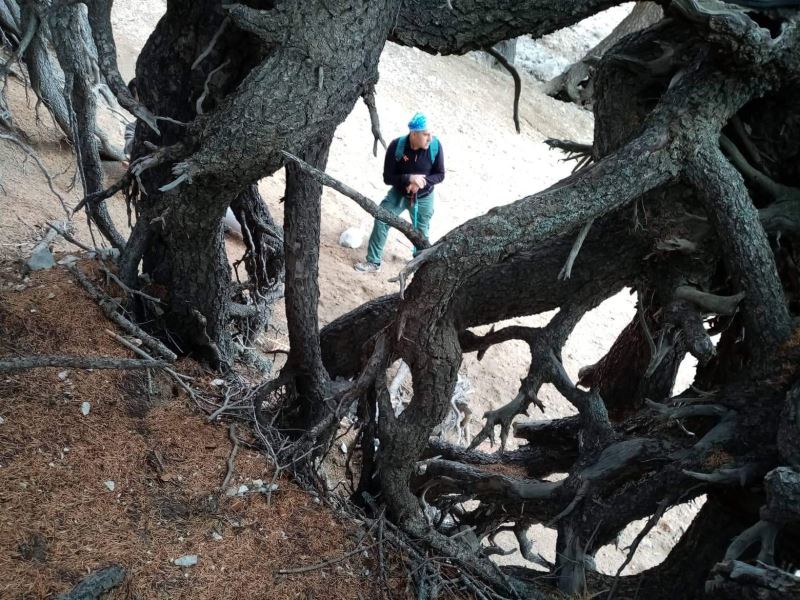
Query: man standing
x=413 y=165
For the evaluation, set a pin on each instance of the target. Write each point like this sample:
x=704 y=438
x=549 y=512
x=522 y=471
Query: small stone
x=231 y=491
x=216 y=537
x=187 y=560
x=2 y=420
x=63 y=375
x=269 y=488
x=218 y=382
x=110 y=485
x=243 y=489
x=258 y=483
x=40 y=260
x=343 y=448
x=85 y=408
x=50 y=296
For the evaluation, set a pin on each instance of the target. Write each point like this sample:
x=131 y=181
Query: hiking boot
x=367 y=267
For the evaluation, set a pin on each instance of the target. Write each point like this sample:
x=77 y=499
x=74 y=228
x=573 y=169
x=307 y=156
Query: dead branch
x=414 y=236
x=199 y=104
x=208 y=49
x=109 y=308
x=95 y=585
x=762 y=533
x=30 y=152
x=120 y=185
x=23 y=363
x=711 y=303
x=326 y=563
x=566 y=270
x=517 y=81
x=179 y=379
x=231 y=457
x=734 y=579
x=369 y=99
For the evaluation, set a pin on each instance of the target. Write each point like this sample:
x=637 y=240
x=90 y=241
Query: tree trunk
x=301 y=226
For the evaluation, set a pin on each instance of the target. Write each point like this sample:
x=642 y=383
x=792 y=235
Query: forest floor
x=58 y=518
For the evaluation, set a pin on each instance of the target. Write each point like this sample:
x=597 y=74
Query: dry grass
x=59 y=521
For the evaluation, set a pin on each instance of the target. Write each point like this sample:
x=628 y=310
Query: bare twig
x=566 y=270
x=104 y=194
x=199 y=104
x=30 y=152
x=211 y=44
x=517 y=81
x=326 y=563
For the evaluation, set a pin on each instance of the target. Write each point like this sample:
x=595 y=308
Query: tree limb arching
x=403 y=226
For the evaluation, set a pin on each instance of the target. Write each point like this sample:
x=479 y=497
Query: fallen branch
x=326 y=563
x=175 y=375
x=517 y=81
x=23 y=363
x=414 y=236
x=108 y=306
x=95 y=585
x=231 y=457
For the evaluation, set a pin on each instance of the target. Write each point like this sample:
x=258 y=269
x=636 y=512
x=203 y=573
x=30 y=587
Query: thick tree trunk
x=301 y=226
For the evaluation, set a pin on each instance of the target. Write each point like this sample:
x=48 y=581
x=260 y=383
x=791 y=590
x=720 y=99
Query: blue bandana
x=418 y=122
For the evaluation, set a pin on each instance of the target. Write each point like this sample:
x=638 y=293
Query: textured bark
x=301 y=227
x=459 y=27
x=68 y=27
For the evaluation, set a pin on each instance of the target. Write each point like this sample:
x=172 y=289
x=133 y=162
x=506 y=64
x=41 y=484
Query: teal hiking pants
x=396 y=203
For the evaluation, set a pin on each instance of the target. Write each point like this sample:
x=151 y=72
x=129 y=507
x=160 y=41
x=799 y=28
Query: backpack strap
x=433 y=149
x=400 y=148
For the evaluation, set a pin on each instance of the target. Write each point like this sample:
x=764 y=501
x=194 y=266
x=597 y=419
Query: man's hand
x=418 y=180
x=412 y=188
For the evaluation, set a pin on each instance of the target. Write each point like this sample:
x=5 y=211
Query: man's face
x=420 y=139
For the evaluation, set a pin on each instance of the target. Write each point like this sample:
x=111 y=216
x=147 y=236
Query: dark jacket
x=414 y=162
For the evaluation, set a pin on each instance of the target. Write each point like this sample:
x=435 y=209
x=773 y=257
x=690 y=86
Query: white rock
x=2 y=420
x=187 y=560
x=243 y=489
x=343 y=448
x=353 y=237
x=218 y=382
x=231 y=491
x=63 y=375
x=215 y=536
x=258 y=482
x=270 y=487
x=85 y=408
x=110 y=485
